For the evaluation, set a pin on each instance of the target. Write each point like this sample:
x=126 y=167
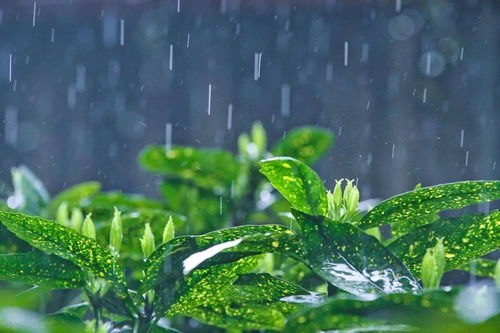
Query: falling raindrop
x=285 y=100
x=11 y=126
x=462 y=138
x=34 y=14
x=365 y=49
x=10 y=67
x=466 y=158
x=52 y=35
x=178 y=6
x=329 y=72
x=461 y=54
x=424 y=96
x=209 y=99
x=257 y=63
x=398 y=6
x=122 y=32
x=188 y=40
x=230 y=116
x=393 y=150
x=346 y=53
x=171 y=58
x=168 y=137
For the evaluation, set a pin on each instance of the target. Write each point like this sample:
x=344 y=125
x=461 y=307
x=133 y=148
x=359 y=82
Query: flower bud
x=147 y=241
x=433 y=265
x=337 y=193
x=243 y=142
x=116 y=233
x=429 y=270
x=353 y=200
x=88 y=228
x=62 y=214
x=259 y=137
x=76 y=219
x=347 y=191
x=168 y=231
x=331 y=205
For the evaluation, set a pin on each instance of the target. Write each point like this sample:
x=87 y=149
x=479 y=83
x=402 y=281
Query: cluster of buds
x=343 y=204
x=85 y=225
x=433 y=265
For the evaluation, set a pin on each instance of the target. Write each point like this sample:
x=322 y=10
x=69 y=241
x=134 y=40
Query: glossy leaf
x=352 y=260
x=40 y=270
x=168 y=258
x=465 y=238
x=250 y=301
x=425 y=202
x=206 y=168
x=307 y=144
x=66 y=243
x=395 y=312
x=30 y=195
x=74 y=195
x=298 y=183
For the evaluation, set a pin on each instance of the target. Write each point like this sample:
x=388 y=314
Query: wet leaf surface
x=39 y=269
x=298 y=183
x=465 y=238
x=66 y=243
x=352 y=260
x=306 y=144
x=426 y=202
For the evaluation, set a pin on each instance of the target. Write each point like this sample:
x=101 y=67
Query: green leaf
x=250 y=239
x=30 y=196
x=352 y=260
x=480 y=267
x=465 y=238
x=73 y=196
x=246 y=301
x=298 y=183
x=395 y=312
x=41 y=270
x=424 y=203
x=206 y=168
x=307 y=144
x=66 y=243
x=204 y=210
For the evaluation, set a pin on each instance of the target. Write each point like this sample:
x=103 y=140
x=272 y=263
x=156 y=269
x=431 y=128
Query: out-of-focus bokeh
x=410 y=88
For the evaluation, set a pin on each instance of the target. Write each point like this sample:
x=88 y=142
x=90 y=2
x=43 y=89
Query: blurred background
x=410 y=88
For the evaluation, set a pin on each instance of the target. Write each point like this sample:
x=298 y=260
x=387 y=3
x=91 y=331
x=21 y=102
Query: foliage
x=313 y=262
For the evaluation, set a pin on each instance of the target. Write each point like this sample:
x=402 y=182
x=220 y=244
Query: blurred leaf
x=307 y=144
x=39 y=269
x=396 y=312
x=352 y=260
x=204 y=210
x=424 y=203
x=207 y=168
x=298 y=183
x=480 y=267
x=102 y=204
x=30 y=196
x=73 y=196
x=465 y=238
x=68 y=244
